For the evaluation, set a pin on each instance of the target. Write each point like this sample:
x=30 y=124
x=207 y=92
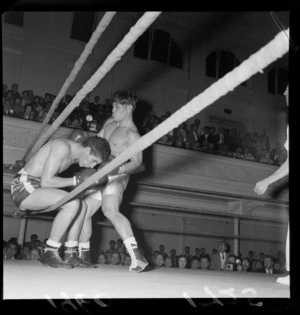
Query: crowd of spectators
x=92 y=115
x=25 y=105
x=224 y=141
x=116 y=254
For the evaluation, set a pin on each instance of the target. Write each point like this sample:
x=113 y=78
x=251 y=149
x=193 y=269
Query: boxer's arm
x=59 y=152
x=261 y=187
x=135 y=163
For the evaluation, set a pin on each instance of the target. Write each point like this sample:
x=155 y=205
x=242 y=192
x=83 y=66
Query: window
x=14 y=18
x=277 y=81
x=83 y=26
x=158 y=45
x=220 y=62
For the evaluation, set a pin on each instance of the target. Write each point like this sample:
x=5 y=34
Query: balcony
x=176 y=181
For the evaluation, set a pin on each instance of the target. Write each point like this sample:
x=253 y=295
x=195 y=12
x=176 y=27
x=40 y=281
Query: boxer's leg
x=112 y=198
x=286 y=280
x=42 y=198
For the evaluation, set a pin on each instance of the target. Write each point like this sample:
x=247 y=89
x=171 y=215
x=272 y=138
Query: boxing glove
x=79 y=135
x=85 y=173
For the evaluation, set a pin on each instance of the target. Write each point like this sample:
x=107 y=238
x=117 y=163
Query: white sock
x=131 y=244
x=71 y=243
x=53 y=243
x=83 y=246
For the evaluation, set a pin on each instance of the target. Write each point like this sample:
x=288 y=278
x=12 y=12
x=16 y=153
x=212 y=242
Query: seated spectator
x=248 y=155
x=9 y=253
x=92 y=126
x=277 y=268
x=17 y=108
x=196 y=146
x=34 y=254
x=127 y=260
x=25 y=253
x=281 y=259
x=174 y=257
x=76 y=122
x=268 y=263
x=205 y=146
x=266 y=158
x=231 y=264
x=28 y=112
x=7 y=109
x=219 y=140
x=195 y=264
x=165 y=140
x=168 y=262
x=253 y=265
x=33 y=241
x=251 y=256
x=238 y=264
x=30 y=96
x=15 y=247
x=181 y=132
x=214 y=251
x=179 y=143
x=8 y=95
x=182 y=262
x=122 y=255
x=188 y=255
x=112 y=247
x=204 y=263
x=238 y=154
x=120 y=246
x=261 y=257
x=197 y=254
x=115 y=258
x=162 y=251
x=205 y=136
x=159 y=260
x=259 y=266
x=102 y=259
x=225 y=151
x=246 y=264
x=36 y=104
x=193 y=135
x=203 y=253
x=14 y=88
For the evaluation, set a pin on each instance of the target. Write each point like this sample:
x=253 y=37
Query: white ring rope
x=275 y=49
x=106 y=19
x=135 y=32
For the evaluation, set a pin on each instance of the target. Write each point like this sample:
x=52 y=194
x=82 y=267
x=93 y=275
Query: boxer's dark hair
x=99 y=147
x=125 y=98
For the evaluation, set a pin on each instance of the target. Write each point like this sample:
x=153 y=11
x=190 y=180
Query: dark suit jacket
x=191 y=138
x=215 y=261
